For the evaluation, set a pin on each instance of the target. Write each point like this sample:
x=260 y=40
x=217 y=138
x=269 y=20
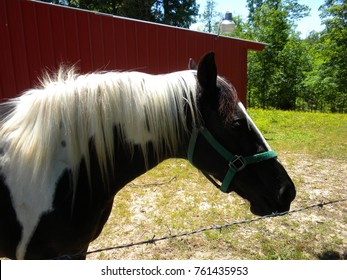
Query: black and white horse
x=68 y=147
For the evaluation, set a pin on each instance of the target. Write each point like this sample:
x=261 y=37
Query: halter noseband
x=236 y=162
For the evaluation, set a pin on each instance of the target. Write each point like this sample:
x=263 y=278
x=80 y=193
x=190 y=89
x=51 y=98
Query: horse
x=70 y=144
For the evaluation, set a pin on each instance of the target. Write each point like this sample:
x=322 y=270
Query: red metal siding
x=35 y=36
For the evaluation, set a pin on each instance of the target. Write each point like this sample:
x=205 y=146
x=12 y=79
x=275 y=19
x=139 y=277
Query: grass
x=312 y=147
x=317 y=134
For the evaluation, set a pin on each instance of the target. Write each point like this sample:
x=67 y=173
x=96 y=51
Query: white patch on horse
x=252 y=124
x=30 y=199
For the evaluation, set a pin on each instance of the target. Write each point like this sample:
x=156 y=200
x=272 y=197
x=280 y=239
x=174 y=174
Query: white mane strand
x=70 y=109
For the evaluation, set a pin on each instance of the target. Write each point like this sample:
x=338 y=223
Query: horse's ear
x=207 y=72
x=192 y=65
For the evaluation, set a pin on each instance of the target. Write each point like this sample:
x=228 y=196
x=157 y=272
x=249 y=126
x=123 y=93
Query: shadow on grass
x=332 y=255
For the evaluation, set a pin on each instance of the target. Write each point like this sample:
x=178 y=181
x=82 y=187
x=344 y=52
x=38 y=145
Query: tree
x=293 y=63
x=293 y=9
x=325 y=83
x=270 y=26
x=242 y=28
x=271 y=81
x=180 y=13
x=211 y=17
x=310 y=98
x=334 y=38
x=253 y=6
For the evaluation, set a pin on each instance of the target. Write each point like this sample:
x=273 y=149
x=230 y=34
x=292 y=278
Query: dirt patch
x=318 y=177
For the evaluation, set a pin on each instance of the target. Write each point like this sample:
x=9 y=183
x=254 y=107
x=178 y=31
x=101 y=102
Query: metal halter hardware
x=236 y=162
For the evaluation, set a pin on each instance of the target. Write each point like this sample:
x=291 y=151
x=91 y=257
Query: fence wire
x=153 y=240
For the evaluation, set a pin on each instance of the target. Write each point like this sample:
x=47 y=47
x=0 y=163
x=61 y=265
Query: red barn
x=35 y=36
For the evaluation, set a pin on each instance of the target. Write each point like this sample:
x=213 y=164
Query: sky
x=239 y=7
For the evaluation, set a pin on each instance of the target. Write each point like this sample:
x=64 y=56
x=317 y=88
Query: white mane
x=70 y=109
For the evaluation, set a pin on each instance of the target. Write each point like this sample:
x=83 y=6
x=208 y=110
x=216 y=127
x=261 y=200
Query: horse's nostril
x=287 y=193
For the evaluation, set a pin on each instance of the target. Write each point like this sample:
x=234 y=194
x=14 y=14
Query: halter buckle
x=237 y=163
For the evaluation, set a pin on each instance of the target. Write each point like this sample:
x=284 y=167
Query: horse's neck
x=130 y=164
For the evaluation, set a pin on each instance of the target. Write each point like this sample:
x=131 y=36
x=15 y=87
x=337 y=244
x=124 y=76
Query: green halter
x=236 y=163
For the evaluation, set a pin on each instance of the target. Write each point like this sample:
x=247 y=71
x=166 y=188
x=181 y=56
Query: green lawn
x=317 y=134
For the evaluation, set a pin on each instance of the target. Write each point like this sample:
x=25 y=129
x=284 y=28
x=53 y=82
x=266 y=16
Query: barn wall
x=35 y=36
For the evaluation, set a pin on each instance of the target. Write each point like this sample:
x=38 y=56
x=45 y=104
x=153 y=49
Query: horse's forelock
x=228 y=99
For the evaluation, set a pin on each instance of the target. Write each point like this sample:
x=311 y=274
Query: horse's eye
x=236 y=125
x=239 y=124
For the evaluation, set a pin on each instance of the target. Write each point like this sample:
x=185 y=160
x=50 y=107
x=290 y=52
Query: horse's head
x=230 y=148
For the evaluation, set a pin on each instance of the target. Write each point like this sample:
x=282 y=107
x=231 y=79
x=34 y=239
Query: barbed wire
x=153 y=240
x=132 y=184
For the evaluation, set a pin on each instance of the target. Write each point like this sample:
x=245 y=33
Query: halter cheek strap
x=236 y=162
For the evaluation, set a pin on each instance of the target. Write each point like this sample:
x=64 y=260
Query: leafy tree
x=325 y=83
x=275 y=73
x=253 y=6
x=180 y=13
x=211 y=17
x=310 y=98
x=293 y=9
x=242 y=28
x=293 y=63
x=176 y=12
x=269 y=26
x=334 y=67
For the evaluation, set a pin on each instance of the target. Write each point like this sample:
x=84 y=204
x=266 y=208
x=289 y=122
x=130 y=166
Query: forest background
x=292 y=73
